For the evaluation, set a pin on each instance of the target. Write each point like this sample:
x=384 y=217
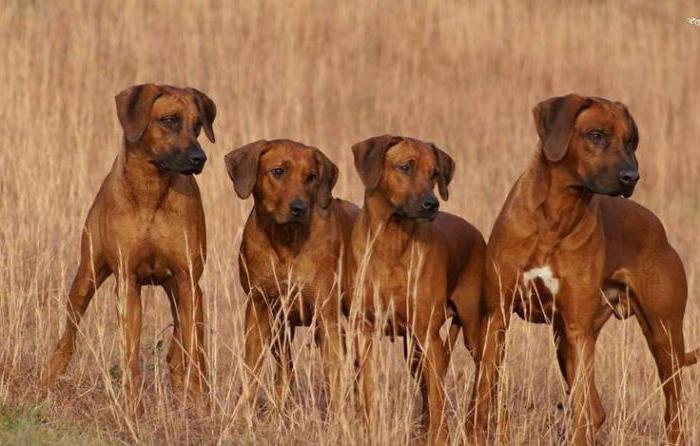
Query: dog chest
x=152 y=271
x=536 y=294
x=542 y=280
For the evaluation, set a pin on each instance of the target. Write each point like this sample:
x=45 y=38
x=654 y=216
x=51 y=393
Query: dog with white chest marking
x=568 y=250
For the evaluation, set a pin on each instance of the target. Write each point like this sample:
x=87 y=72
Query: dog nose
x=628 y=177
x=430 y=204
x=298 y=208
x=197 y=157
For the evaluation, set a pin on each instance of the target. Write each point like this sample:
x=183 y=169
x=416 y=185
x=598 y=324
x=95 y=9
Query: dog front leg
x=330 y=341
x=186 y=357
x=414 y=356
x=488 y=358
x=85 y=283
x=130 y=298
x=364 y=364
x=283 y=338
x=202 y=384
x=575 y=352
x=258 y=335
x=433 y=370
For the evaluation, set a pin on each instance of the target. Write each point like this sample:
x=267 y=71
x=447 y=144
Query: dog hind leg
x=659 y=311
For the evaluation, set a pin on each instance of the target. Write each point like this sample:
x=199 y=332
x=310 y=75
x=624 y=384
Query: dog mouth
x=168 y=165
x=429 y=216
x=625 y=192
x=291 y=222
x=422 y=215
x=189 y=161
x=192 y=171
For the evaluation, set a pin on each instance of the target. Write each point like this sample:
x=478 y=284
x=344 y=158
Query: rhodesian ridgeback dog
x=146 y=226
x=290 y=255
x=568 y=250
x=408 y=258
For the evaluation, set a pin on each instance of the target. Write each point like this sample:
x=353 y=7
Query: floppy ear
x=207 y=111
x=327 y=178
x=634 y=131
x=446 y=166
x=369 y=158
x=242 y=167
x=133 y=108
x=554 y=119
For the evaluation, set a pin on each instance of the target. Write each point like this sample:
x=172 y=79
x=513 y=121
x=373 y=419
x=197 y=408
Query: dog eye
x=311 y=178
x=169 y=120
x=405 y=168
x=436 y=175
x=596 y=136
x=277 y=172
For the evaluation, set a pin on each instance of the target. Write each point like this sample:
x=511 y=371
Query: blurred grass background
x=462 y=74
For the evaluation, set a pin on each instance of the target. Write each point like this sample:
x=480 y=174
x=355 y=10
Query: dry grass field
x=462 y=74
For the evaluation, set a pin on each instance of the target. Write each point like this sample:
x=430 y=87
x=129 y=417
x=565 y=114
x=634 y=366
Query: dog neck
x=557 y=202
x=146 y=184
x=388 y=230
x=286 y=239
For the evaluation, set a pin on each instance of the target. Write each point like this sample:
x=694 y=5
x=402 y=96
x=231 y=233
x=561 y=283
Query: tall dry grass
x=464 y=75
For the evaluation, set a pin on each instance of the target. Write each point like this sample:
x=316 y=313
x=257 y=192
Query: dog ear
x=133 y=108
x=327 y=178
x=634 y=131
x=446 y=167
x=242 y=167
x=369 y=158
x=207 y=111
x=554 y=119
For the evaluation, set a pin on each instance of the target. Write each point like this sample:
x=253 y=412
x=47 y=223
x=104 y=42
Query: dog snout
x=197 y=156
x=298 y=208
x=430 y=203
x=628 y=177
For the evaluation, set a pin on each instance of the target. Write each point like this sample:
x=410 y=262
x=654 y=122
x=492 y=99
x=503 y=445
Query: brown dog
x=290 y=253
x=146 y=226
x=566 y=250
x=420 y=263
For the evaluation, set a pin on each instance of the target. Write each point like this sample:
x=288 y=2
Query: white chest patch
x=547 y=277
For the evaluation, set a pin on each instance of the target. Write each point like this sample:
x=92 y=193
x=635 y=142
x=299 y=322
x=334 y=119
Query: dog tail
x=691 y=357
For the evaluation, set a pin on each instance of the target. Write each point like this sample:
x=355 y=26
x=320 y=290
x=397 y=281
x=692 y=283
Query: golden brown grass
x=464 y=75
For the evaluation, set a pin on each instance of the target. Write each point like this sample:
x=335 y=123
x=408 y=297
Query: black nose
x=197 y=157
x=430 y=204
x=628 y=177
x=298 y=208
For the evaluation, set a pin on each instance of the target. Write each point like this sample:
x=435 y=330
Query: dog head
x=594 y=139
x=164 y=122
x=404 y=171
x=287 y=179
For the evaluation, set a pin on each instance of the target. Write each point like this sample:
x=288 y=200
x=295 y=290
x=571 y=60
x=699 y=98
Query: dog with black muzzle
x=146 y=226
x=604 y=144
x=409 y=258
x=290 y=259
x=567 y=250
